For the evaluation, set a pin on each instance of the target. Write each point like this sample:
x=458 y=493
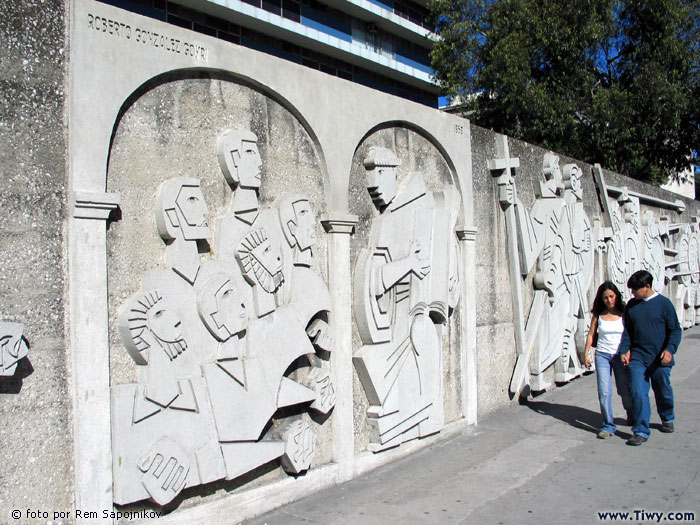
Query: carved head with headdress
x=260 y=261
x=381 y=165
x=149 y=321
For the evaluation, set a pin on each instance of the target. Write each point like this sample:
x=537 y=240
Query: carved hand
x=164 y=474
x=320 y=334
x=420 y=261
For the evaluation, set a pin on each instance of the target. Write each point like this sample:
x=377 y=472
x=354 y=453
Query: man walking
x=650 y=339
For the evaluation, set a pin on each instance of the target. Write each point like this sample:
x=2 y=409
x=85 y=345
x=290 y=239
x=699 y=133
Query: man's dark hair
x=639 y=280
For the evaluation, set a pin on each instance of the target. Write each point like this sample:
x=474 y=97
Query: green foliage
x=609 y=81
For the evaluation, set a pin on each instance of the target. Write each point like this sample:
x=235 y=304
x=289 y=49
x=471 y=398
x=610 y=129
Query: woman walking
x=607 y=324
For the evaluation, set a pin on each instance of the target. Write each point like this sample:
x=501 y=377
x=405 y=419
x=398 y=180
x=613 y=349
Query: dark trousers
x=659 y=378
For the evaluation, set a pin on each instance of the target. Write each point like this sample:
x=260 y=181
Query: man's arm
x=673 y=333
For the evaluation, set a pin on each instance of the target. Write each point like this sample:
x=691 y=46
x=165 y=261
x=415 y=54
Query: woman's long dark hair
x=598 y=304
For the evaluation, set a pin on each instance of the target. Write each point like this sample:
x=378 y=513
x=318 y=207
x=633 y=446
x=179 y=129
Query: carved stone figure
x=181 y=220
x=216 y=341
x=405 y=288
x=240 y=162
x=307 y=291
x=687 y=274
x=13 y=347
x=165 y=418
x=555 y=238
x=654 y=258
x=241 y=165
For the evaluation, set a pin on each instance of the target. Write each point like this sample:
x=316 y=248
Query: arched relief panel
x=106 y=68
x=406 y=281
x=244 y=360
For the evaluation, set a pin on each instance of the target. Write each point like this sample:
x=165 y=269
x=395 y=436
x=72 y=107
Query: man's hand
x=666 y=357
x=625 y=358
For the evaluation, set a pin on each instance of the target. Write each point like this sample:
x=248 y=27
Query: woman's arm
x=589 y=341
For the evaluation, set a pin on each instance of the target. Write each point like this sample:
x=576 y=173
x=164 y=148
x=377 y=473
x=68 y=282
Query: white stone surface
x=555 y=239
x=13 y=347
x=109 y=62
x=406 y=284
x=215 y=341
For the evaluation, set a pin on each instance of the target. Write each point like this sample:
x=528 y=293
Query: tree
x=609 y=81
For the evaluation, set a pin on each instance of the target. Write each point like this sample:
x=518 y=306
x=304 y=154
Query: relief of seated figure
x=163 y=435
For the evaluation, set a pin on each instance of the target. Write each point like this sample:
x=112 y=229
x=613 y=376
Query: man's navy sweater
x=650 y=327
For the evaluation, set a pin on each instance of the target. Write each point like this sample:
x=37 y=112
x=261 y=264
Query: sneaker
x=636 y=440
x=667 y=428
x=604 y=434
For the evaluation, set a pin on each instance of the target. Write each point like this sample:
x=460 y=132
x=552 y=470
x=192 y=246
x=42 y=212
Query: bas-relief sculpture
x=406 y=286
x=215 y=340
x=632 y=240
x=555 y=238
x=686 y=273
x=13 y=347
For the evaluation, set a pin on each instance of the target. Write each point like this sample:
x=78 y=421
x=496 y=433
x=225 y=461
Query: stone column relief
x=13 y=347
x=215 y=340
x=686 y=273
x=406 y=287
x=554 y=238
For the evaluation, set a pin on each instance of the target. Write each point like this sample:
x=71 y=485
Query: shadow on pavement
x=578 y=417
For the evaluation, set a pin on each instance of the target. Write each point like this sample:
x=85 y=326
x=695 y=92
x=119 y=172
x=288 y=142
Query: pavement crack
x=300 y=517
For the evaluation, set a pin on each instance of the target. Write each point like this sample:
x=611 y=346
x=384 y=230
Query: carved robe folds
x=406 y=287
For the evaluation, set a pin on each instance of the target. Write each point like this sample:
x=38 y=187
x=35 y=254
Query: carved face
x=248 y=165
x=231 y=310
x=268 y=257
x=192 y=210
x=265 y=264
x=381 y=184
x=164 y=323
x=305 y=232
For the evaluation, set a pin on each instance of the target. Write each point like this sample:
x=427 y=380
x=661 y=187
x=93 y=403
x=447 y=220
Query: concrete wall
x=35 y=433
x=494 y=310
x=146 y=103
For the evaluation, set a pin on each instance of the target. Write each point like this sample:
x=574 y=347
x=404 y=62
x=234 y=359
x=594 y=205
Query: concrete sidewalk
x=533 y=464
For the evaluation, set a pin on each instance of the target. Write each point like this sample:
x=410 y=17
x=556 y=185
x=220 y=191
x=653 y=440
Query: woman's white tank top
x=609 y=335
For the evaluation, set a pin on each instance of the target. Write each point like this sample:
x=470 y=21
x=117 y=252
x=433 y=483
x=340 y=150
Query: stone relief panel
x=686 y=274
x=225 y=318
x=406 y=287
x=633 y=240
x=555 y=239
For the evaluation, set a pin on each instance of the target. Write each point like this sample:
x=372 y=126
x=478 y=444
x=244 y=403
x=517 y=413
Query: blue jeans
x=606 y=365
x=659 y=377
